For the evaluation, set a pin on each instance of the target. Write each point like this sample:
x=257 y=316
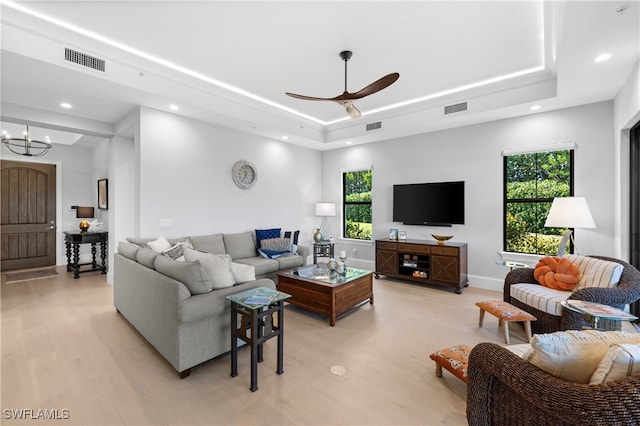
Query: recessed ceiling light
x=65 y=105
x=174 y=107
x=284 y=138
x=603 y=57
x=349 y=142
x=535 y=107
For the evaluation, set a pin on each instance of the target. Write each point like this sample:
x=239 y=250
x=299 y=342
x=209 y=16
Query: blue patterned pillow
x=265 y=234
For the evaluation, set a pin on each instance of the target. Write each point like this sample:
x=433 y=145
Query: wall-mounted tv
x=435 y=204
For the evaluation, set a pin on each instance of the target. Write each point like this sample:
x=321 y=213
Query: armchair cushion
x=542 y=298
x=621 y=360
x=596 y=272
x=574 y=355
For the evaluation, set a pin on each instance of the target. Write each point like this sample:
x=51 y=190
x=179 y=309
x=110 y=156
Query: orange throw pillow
x=558 y=273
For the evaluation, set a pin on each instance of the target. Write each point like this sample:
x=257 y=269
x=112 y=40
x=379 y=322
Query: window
x=531 y=181
x=356 y=208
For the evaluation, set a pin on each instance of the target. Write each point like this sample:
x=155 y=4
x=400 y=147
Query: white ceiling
x=230 y=62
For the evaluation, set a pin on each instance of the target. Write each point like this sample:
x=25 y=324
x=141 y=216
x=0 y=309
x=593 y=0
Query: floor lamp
x=569 y=212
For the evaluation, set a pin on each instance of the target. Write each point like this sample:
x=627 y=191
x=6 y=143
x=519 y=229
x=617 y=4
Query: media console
x=423 y=261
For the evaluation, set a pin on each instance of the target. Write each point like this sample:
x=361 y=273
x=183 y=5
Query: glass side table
x=593 y=312
x=256 y=308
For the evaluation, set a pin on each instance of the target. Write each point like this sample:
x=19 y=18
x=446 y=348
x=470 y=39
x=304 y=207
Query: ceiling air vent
x=83 y=59
x=374 y=126
x=450 y=109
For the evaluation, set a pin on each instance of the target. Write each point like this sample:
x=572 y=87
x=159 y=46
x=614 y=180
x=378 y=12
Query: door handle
x=53 y=225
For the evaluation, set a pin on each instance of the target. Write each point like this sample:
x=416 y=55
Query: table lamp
x=569 y=212
x=324 y=210
x=84 y=213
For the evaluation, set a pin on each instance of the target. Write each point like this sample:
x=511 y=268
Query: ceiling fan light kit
x=346 y=99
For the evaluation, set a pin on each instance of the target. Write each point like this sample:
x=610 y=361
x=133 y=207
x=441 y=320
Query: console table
x=73 y=240
x=423 y=261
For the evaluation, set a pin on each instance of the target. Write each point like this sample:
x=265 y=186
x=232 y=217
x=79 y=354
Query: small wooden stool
x=506 y=312
x=454 y=359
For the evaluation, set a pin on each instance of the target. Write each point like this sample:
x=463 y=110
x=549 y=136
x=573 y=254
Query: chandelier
x=25 y=145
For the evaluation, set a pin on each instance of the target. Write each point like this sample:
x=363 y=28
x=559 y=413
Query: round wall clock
x=244 y=174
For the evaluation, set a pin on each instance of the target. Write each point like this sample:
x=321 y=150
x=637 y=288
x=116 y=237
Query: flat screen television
x=435 y=204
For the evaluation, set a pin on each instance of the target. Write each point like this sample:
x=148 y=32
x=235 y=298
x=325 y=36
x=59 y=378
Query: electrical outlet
x=165 y=223
x=73 y=207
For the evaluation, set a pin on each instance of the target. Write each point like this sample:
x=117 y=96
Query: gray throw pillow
x=128 y=250
x=191 y=274
x=209 y=243
x=147 y=257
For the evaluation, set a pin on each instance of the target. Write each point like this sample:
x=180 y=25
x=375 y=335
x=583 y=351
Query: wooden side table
x=72 y=242
x=322 y=249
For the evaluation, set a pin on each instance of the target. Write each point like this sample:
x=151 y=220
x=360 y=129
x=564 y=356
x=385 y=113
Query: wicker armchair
x=627 y=291
x=504 y=389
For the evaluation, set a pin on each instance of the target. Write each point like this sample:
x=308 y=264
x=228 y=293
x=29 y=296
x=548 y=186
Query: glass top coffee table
x=315 y=289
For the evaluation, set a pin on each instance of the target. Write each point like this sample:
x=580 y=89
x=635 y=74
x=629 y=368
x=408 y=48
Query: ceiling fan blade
x=307 y=98
x=374 y=87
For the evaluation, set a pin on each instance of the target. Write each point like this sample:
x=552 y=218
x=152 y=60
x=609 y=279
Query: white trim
x=529 y=259
x=558 y=146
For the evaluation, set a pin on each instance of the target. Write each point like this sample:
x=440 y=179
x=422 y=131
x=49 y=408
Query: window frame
x=343 y=224
x=506 y=201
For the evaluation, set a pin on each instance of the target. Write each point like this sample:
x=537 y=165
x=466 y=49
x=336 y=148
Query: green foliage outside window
x=357 y=204
x=532 y=181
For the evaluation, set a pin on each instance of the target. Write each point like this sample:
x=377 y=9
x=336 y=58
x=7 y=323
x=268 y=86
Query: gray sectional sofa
x=156 y=294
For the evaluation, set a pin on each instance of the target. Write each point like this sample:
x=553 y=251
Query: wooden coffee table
x=311 y=288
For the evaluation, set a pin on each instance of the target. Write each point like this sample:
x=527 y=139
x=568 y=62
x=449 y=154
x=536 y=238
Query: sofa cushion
x=558 y=273
x=209 y=243
x=240 y=245
x=128 y=250
x=540 y=297
x=261 y=265
x=243 y=273
x=574 y=355
x=621 y=360
x=264 y=234
x=218 y=267
x=596 y=272
x=147 y=257
x=191 y=274
x=288 y=262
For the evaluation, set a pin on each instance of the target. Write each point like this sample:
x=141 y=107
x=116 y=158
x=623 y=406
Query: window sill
x=367 y=243
x=529 y=259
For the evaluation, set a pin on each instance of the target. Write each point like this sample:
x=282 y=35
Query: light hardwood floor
x=65 y=347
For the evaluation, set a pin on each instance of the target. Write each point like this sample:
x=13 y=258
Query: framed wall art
x=103 y=194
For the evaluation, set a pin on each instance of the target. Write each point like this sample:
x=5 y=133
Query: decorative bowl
x=441 y=238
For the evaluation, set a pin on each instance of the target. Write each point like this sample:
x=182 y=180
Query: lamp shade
x=325 y=209
x=84 y=212
x=570 y=212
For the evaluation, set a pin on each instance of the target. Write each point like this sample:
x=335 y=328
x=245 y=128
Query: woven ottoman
x=506 y=312
x=454 y=359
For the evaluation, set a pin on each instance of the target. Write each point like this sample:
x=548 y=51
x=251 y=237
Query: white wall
x=473 y=154
x=74 y=186
x=185 y=177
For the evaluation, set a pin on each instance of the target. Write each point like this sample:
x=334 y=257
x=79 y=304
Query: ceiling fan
x=346 y=98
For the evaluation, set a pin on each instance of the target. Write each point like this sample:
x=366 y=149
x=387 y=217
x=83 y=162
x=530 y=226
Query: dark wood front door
x=28 y=213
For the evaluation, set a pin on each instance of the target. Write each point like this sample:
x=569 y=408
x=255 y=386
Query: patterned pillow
x=176 y=252
x=265 y=234
x=558 y=273
x=620 y=361
x=276 y=244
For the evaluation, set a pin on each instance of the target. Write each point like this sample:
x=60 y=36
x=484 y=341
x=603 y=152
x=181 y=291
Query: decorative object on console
x=317 y=235
x=244 y=174
x=28 y=147
x=402 y=235
x=441 y=238
x=569 y=212
x=324 y=210
x=393 y=234
x=84 y=213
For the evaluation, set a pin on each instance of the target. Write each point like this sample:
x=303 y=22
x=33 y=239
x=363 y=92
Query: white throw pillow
x=621 y=360
x=574 y=355
x=243 y=273
x=218 y=266
x=159 y=245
